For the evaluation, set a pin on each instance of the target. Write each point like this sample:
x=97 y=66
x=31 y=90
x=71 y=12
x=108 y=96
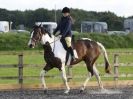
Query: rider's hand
x=54 y=33
x=59 y=36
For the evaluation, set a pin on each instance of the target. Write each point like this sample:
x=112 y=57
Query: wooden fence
x=20 y=76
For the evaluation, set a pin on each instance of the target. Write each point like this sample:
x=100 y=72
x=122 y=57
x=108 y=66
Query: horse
x=55 y=55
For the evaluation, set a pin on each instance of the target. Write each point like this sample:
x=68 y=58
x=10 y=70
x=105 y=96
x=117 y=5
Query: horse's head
x=38 y=34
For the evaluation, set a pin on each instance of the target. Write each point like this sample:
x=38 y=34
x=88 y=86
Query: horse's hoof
x=45 y=91
x=81 y=91
x=67 y=92
x=103 y=90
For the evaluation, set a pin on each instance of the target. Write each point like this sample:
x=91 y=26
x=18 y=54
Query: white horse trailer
x=4 y=26
x=128 y=25
x=90 y=26
x=49 y=26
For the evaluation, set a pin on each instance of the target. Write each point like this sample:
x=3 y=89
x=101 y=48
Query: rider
x=64 y=27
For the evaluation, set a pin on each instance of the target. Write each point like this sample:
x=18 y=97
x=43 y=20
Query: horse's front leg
x=63 y=75
x=42 y=76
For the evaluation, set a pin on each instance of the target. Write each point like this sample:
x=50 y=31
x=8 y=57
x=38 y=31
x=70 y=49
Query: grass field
x=36 y=57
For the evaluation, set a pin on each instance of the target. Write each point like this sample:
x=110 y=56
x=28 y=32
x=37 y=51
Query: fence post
x=116 y=72
x=69 y=73
x=20 y=69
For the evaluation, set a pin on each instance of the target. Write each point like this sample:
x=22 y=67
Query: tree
x=114 y=22
x=29 y=17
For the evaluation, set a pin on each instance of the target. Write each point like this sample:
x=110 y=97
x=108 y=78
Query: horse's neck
x=57 y=49
x=54 y=41
x=48 y=50
x=56 y=46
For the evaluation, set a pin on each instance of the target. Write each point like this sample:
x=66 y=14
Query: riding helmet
x=65 y=10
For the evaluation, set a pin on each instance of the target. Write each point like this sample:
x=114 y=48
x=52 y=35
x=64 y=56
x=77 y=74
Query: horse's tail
x=107 y=64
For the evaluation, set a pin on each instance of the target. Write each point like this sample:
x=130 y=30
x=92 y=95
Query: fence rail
x=21 y=65
x=42 y=65
x=42 y=52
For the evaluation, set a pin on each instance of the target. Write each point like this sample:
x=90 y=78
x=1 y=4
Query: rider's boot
x=72 y=53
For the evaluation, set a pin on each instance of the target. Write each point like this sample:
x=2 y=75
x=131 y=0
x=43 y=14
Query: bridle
x=39 y=38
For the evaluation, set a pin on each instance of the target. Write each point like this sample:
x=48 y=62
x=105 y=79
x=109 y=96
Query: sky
x=119 y=7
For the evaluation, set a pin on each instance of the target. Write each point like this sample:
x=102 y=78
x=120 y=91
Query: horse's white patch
x=75 y=53
x=59 y=50
x=86 y=39
x=69 y=60
x=56 y=46
x=32 y=34
x=30 y=41
x=86 y=81
x=96 y=73
x=42 y=74
x=104 y=50
x=46 y=38
x=70 y=57
x=64 y=77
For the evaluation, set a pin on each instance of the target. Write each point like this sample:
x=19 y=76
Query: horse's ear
x=40 y=25
x=49 y=34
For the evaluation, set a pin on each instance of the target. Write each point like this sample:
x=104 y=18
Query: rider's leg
x=68 y=41
x=70 y=50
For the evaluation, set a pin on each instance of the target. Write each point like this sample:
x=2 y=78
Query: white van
x=4 y=26
x=50 y=26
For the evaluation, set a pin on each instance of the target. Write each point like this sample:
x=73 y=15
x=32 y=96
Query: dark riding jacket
x=64 y=27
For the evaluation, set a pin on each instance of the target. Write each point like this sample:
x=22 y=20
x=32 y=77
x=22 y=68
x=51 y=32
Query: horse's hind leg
x=85 y=83
x=90 y=74
x=63 y=74
x=96 y=73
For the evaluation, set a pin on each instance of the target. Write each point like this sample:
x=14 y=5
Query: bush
x=13 y=41
x=18 y=41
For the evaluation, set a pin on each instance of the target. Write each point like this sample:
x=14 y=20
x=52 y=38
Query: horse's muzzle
x=31 y=46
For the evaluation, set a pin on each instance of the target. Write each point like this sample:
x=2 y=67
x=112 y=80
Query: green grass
x=28 y=59
x=36 y=57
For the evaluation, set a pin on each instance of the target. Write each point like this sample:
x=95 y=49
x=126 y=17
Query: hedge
x=14 y=41
x=109 y=41
x=18 y=41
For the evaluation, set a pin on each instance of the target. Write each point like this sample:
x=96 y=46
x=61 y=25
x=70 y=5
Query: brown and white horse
x=55 y=55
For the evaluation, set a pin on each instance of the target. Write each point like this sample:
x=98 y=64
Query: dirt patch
x=122 y=93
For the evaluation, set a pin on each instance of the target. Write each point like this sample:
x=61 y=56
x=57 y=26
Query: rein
x=54 y=43
x=54 y=40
